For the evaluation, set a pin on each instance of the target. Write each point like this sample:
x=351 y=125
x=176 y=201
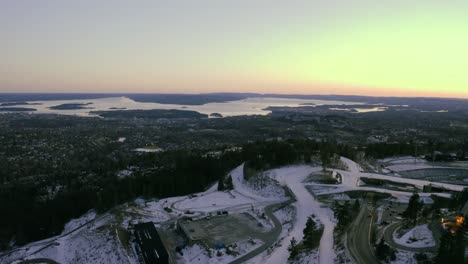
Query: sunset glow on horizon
x=355 y=47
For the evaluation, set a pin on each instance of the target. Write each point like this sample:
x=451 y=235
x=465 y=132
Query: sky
x=354 y=47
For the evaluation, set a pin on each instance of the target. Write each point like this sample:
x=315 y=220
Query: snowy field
x=243 y=197
x=286 y=215
x=418 y=237
x=93 y=239
x=308 y=258
x=214 y=201
x=89 y=246
x=197 y=254
x=404 y=257
x=75 y=223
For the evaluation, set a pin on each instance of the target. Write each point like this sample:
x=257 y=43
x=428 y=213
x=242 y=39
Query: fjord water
x=249 y=106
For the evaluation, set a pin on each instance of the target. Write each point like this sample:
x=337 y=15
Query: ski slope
x=306 y=205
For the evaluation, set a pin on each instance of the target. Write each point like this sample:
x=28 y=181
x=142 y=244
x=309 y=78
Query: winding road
x=388 y=236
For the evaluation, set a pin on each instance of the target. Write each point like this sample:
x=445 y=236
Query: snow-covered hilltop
x=262 y=219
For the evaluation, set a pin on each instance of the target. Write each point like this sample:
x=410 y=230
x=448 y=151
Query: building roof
x=150 y=244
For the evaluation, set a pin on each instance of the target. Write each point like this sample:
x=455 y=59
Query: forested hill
x=29 y=215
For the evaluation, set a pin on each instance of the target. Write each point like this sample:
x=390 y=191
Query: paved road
x=358 y=237
x=388 y=235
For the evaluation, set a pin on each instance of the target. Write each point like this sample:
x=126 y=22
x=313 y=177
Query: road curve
x=388 y=236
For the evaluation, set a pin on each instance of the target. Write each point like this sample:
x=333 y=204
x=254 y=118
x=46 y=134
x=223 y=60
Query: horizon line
x=252 y=93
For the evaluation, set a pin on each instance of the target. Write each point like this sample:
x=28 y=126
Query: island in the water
x=150 y=114
x=17 y=109
x=72 y=106
x=117 y=108
x=218 y=115
x=18 y=103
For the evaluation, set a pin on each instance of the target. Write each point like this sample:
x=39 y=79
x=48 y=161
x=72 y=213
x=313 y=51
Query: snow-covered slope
x=306 y=205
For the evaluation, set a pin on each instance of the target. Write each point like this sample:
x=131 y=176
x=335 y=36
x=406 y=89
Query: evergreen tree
x=414 y=206
x=383 y=252
x=228 y=184
x=293 y=248
x=311 y=234
x=221 y=186
x=381 y=249
x=343 y=214
x=356 y=206
x=325 y=158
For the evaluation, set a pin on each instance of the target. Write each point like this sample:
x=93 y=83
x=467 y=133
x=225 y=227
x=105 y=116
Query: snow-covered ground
x=286 y=214
x=405 y=197
x=148 y=150
x=380 y=211
x=77 y=222
x=306 y=205
x=150 y=211
x=124 y=174
x=351 y=165
x=93 y=239
x=293 y=177
x=243 y=197
x=197 y=254
x=418 y=237
x=308 y=258
x=404 y=257
x=265 y=186
x=242 y=187
x=214 y=201
x=323 y=189
x=96 y=240
x=340 y=197
x=88 y=246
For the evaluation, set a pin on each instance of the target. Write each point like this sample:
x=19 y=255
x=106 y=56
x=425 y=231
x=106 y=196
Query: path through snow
x=306 y=205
